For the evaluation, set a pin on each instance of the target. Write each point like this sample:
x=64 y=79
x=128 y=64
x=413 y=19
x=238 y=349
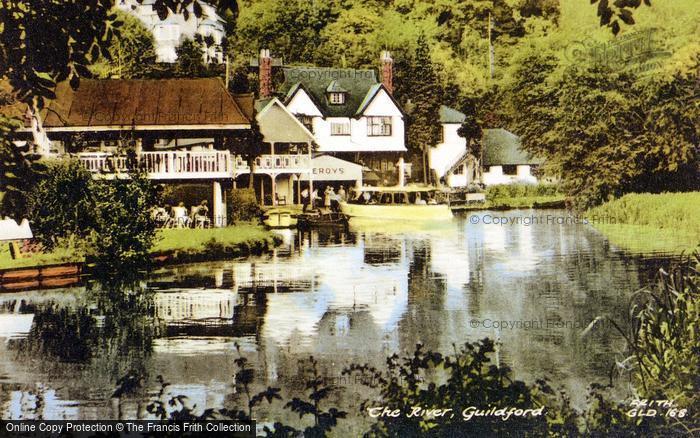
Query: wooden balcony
x=283 y=163
x=209 y=164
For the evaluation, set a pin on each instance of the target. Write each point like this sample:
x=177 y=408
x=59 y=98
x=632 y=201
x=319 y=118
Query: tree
x=249 y=145
x=132 y=53
x=621 y=9
x=190 y=59
x=62 y=204
x=596 y=140
x=124 y=230
x=471 y=131
x=424 y=92
x=532 y=101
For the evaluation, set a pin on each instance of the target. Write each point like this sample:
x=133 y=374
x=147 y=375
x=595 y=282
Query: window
x=510 y=169
x=378 y=126
x=459 y=170
x=307 y=121
x=340 y=128
x=336 y=98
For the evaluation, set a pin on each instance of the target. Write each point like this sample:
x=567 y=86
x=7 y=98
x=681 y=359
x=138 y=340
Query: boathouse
x=176 y=127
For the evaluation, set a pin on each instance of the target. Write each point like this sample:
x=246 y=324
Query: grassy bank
x=643 y=222
x=183 y=245
x=173 y=245
x=57 y=257
x=507 y=196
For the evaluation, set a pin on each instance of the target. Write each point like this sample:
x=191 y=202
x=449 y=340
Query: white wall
x=494 y=175
x=445 y=154
x=358 y=140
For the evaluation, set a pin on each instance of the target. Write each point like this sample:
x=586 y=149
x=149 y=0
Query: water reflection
x=344 y=296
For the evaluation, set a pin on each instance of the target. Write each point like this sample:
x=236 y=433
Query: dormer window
x=336 y=93
x=337 y=98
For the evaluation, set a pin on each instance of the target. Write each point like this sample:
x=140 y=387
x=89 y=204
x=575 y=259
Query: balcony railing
x=283 y=162
x=186 y=164
x=192 y=164
x=103 y=162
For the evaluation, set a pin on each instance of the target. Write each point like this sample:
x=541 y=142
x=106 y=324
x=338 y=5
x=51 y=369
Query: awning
x=328 y=168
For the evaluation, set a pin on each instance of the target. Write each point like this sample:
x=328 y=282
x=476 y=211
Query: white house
x=504 y=160
x=352 y=116
x=449 y=158
x=170 y=33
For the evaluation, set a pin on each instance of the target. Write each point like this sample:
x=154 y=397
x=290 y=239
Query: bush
x=189 y=194
x=500 y=191
x=62 y=204
x=243 y=205
x=124 y=230
x=110 y=219
x=665 y=210
x=665 y=340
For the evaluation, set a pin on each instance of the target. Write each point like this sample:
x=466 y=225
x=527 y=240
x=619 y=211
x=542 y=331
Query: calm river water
x=342 y=296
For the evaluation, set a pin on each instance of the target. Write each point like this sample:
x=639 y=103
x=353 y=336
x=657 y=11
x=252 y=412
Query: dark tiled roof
x=334 y=87
x=121 y=102
x=450 y=115
x=246 y=102
x=501 y=147
x=316 y=80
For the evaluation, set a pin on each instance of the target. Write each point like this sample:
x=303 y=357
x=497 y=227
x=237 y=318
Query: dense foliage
x=110 y=219
x=243 y=205
x=124 y=230
x=132 y=54
x=612 y=109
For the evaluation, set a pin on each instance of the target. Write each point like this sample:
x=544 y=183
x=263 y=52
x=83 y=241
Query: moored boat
x=279 y=218
x=321 y=219
x=398 y=203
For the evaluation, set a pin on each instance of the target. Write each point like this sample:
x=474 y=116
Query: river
x=343 y=296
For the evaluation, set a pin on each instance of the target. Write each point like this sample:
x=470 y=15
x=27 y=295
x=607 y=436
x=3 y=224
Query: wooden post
x=262 y=191
x=274 y=189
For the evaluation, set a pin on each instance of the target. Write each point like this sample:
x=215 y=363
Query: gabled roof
x=278 y=124
x=301 y=87
x=316 y=81
x=146 y=102
x=370 y=96
x=502 y=147
x=451 y=115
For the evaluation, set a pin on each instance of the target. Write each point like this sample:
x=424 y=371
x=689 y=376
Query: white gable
x=301 y=103
x=382 y=105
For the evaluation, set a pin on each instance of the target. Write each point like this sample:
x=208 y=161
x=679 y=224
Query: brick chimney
x=387 y=71
x=265 y=74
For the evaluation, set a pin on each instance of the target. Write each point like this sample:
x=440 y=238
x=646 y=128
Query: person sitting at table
x=180 y=217
x=201 y=215
x=160 y=216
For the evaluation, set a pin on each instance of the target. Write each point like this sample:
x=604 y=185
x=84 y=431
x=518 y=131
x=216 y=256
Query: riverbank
x=644 y=222
x=508 y=203
x=189 y=245
x=172 y=246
